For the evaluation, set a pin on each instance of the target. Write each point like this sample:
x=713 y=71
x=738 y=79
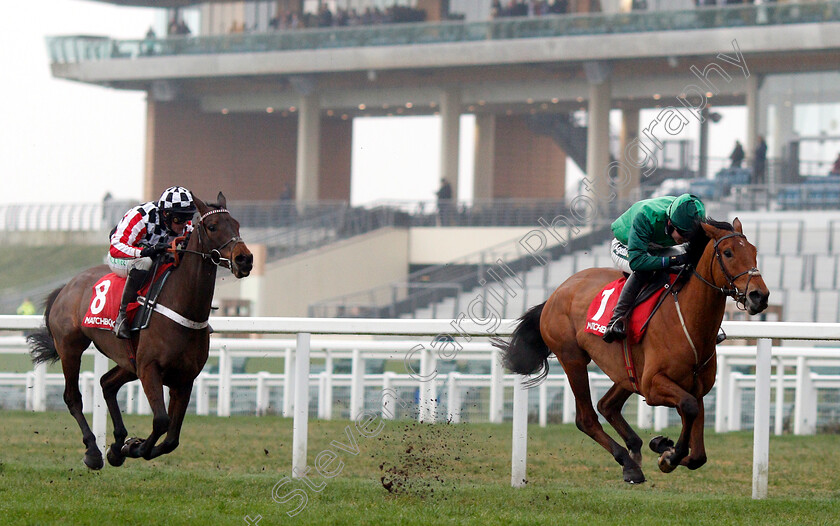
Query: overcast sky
x=62 y=141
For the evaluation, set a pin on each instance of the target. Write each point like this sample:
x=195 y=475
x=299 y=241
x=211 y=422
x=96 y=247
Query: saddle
x=601 y=309
x=107 y=295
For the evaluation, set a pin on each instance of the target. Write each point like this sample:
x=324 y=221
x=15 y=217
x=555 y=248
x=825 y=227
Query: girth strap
x=630 y=366
x=174 y=316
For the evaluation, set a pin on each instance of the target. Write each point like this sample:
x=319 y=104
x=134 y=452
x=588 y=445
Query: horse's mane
x=699 y=240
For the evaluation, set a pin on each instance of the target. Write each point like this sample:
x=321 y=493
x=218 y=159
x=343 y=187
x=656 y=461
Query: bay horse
x=674 y=361
x=167 y=353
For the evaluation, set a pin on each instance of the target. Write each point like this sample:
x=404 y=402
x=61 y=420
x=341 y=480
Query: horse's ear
x=709 y=229
x=221 y=201
x=736 y=224
x=202 y=208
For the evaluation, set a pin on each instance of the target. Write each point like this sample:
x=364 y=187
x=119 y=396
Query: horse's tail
x=41 y=344
x=526 y=353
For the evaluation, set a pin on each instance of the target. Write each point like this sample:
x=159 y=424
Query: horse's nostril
x=758 y=298
x=244 y=262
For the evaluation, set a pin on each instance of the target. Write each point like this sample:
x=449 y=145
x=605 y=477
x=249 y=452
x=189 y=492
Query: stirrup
x=721 y=336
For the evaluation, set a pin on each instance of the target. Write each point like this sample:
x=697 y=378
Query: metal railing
x=65 y=217
x=806 y=382
x=74 y=49
x=279 y=215
x=350 y=367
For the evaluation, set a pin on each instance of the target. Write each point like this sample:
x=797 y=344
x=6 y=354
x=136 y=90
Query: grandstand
x=257 y=110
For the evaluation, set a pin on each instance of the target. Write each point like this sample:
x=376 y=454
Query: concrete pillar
x=782 y=127
x=629 y=132
x=308 y=148
x=598 y=141
x=450 y=122
x=752 y=113
x=703 y=150
x=485 y=147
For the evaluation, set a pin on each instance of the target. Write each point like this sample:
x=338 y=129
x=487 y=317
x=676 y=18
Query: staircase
x=570 y=135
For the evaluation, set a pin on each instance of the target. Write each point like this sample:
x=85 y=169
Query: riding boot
x=617 y=327
x=136 y=278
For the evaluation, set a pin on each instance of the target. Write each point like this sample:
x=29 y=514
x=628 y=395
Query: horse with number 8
x=171 y=352
x=674 y=360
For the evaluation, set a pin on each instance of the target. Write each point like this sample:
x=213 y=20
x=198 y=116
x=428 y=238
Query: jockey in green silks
x=641 y=233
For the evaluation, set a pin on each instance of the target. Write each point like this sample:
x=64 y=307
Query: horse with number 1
x=170 y=352
x=672 y=363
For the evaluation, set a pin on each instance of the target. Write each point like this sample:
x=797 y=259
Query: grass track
x=225 y=469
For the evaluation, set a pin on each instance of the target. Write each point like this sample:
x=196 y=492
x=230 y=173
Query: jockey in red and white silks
x=144 y=232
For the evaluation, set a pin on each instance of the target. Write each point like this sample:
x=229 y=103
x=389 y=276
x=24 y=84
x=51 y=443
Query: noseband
x=732 y=290
x=215 y=254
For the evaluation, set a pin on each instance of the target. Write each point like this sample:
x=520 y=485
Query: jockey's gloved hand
x=150 y=252
x=678 y=260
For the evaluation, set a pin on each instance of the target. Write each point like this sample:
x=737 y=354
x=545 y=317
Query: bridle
x=732 y=290
x=215 y=254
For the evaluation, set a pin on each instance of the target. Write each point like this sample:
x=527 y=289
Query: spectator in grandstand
x=559 y=7
x=760 y=161
x=737 y=155
x=444 y=202
x=148 y=47
x=177 y=27
x=640 y=233
x=325 y=16
x=143 y=233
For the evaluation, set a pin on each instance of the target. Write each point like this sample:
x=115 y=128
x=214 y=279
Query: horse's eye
x=212 y=228
x=727 y=253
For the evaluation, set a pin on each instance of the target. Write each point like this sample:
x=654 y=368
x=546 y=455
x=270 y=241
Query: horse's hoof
x=131 y=446
x=94 y=462
x=660 y=444
x=115 y=459
x=665 y=465
x=634 y=476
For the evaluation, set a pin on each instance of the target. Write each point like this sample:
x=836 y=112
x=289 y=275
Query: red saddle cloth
x=106 y=298
x=602 y=307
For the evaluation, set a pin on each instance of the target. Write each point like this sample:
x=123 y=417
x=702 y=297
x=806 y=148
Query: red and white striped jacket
x=140 y=227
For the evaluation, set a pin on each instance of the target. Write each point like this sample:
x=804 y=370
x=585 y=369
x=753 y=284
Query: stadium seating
x=796 y=262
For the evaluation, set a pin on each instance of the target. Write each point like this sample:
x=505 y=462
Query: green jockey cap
x=686 y=212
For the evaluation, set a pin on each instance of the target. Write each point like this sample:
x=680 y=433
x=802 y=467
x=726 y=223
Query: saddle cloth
x=107 y=296
x=602 y=307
